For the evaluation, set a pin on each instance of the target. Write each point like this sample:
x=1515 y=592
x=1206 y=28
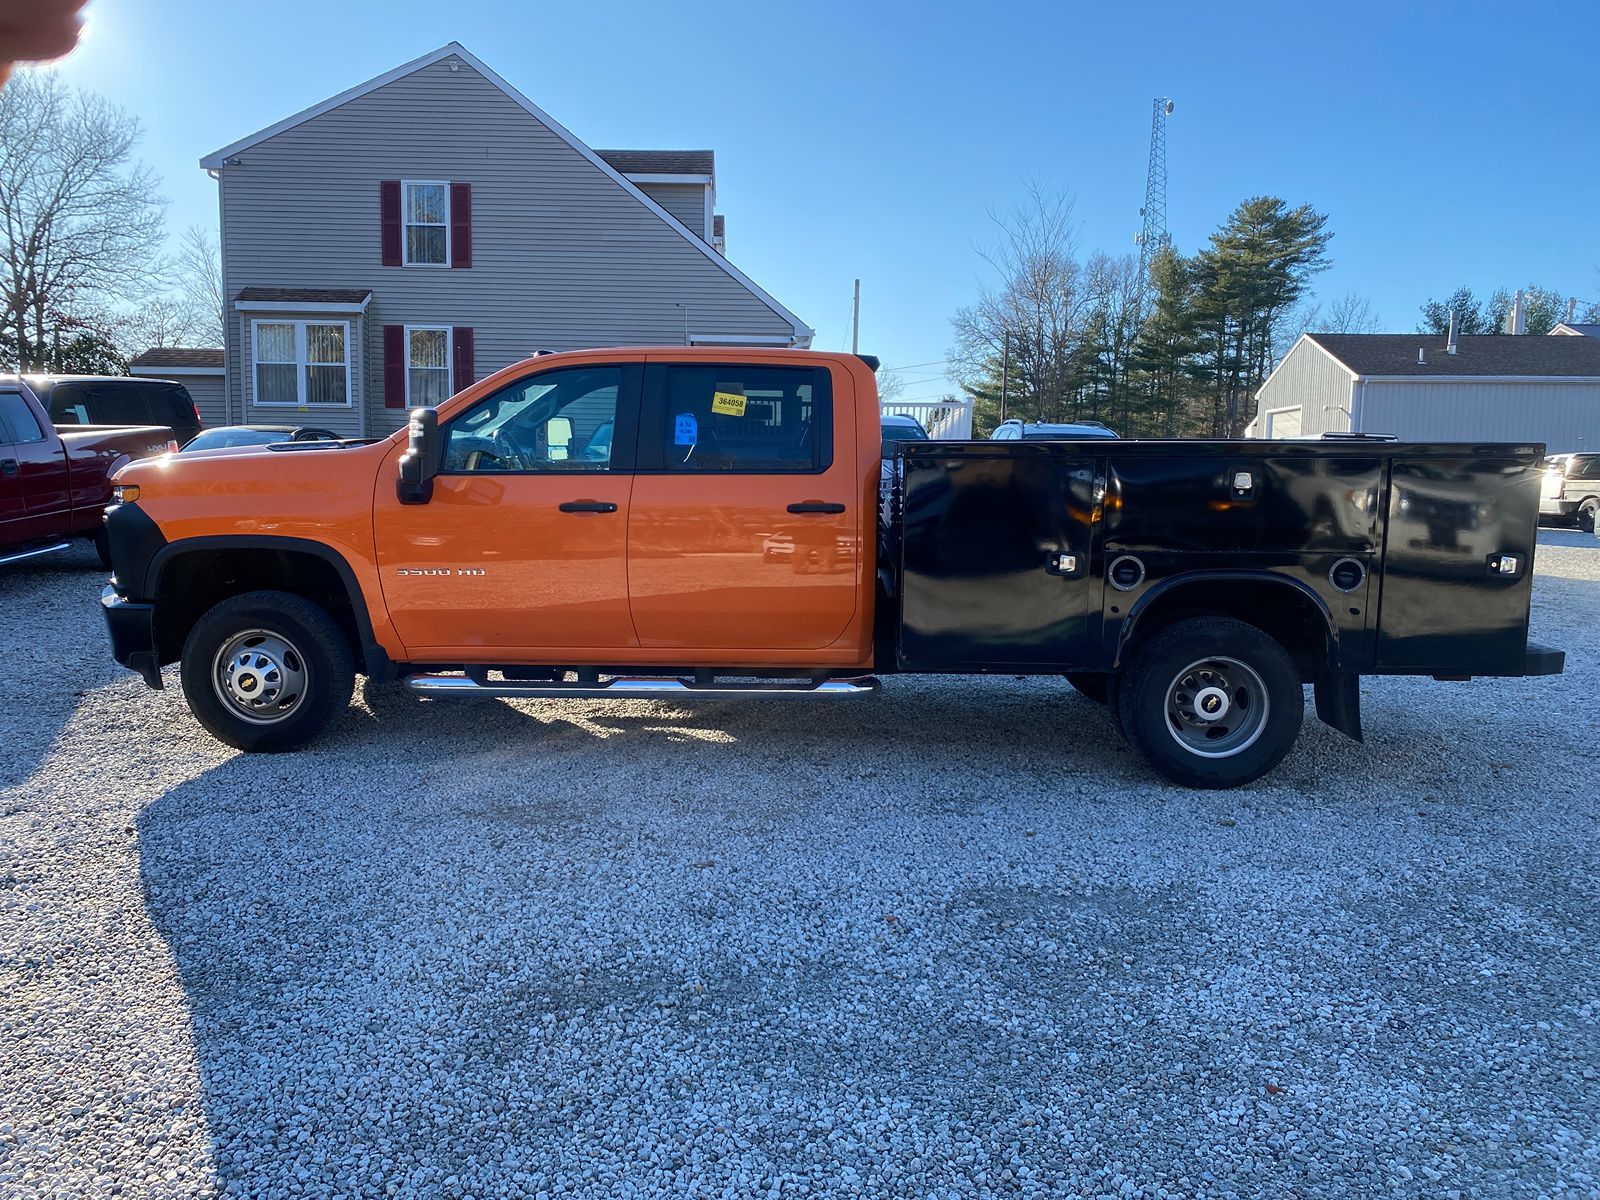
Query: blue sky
x=1447 y=143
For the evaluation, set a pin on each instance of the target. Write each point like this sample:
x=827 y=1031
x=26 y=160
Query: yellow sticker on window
x=729 y=404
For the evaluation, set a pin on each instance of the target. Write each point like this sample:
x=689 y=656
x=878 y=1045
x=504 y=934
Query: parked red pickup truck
x=55 y=484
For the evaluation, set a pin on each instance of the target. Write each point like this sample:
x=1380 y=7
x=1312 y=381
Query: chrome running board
x=19 y=555
x=642 y=689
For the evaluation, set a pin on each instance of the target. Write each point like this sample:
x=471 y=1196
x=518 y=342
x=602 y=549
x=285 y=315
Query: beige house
x=402 y=239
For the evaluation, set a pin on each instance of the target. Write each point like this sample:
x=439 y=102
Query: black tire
x=1211 y=661
x=1091 y=685
x=314 y=653
x=1586 y=514
x=102 y=547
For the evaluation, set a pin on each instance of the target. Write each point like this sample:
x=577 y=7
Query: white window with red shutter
x=425 y=223
x=425 y=205
x=427 y=365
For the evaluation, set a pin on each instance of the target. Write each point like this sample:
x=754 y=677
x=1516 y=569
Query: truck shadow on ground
x=437 y=945
x=376 y=956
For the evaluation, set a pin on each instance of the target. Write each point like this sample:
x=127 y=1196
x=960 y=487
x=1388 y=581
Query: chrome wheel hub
x=260 y=675
x=1216 y=707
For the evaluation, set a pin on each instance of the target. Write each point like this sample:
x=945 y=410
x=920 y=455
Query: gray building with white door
x=1493 y=387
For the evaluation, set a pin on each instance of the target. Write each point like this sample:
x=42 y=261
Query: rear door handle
x=815 y=506
x=8 y=466
x=600 y=506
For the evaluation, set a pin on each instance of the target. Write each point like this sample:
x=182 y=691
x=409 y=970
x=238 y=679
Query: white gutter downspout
x=1358 y=410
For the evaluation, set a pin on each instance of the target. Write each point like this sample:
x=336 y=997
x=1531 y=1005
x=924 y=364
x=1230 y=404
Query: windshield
x=219 y=439
x=903 y=433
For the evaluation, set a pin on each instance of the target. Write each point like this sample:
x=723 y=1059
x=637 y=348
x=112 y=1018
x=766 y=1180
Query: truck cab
x=715 y=522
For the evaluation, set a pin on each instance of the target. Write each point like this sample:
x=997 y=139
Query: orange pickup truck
x=673 y=523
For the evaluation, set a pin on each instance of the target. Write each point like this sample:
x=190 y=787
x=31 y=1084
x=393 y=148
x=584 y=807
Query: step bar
x=642 y=689
x=19 y=555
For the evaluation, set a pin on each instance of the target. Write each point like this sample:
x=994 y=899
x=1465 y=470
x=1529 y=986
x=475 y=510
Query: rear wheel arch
x=189 y=577
x=1284 y=609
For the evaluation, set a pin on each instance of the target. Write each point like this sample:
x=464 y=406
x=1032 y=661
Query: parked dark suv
x=118 y=400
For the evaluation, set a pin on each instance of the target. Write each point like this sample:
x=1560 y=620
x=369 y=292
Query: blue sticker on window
x=685 y=430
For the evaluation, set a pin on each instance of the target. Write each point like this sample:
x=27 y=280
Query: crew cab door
x=34 y=460
x=13 y=507
x=521 y=552
x=747 y=524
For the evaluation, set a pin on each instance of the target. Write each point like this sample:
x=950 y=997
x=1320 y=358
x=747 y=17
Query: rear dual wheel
x=1211 y=702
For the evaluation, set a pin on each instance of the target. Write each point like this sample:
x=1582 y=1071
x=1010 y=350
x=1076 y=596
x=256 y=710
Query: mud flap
x=1339 y=702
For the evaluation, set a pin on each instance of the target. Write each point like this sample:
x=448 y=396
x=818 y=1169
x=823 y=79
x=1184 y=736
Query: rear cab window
x=743 y=418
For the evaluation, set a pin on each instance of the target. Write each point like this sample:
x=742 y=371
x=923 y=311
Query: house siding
x=1310 y=380
x=1564 y=416
x=686 y=201
x=207 y=392
x=564 y=257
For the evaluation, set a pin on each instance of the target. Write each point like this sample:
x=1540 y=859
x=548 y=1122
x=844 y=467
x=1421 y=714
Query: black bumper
x=132 y=627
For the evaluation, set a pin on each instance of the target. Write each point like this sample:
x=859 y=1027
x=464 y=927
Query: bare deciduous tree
x=80 y=219
x=199 y=267
x=1351 y=313
x=1038 y=306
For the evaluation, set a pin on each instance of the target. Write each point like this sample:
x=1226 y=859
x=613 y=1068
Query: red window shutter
x=394 y=366
x=389 y=221
x=461 y=364
x=461 y=225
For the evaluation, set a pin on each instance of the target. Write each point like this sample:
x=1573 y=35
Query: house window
x=302 y=363
x=427 y=365
x=426 y=208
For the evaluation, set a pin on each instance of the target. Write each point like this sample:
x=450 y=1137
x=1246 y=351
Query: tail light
x=199 y=424
x=172 y=445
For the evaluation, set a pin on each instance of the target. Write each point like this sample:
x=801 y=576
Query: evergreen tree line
x=1177 y=353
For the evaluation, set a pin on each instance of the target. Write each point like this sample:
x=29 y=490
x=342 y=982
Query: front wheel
x=1211 y=702
x=266 y=671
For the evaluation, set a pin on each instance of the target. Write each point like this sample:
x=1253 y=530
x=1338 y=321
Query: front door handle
x=601 y=506
x=815 y=506
x=8 y=466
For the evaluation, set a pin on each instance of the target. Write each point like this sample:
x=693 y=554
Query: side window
x=1585 y=468
x=17 y=420
x=553 y=421
x=746 y=418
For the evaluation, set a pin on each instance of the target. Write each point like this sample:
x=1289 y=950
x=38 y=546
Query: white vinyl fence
x=945 y=420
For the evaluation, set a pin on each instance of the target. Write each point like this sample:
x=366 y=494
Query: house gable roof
x=662 y=162
x=1498 y=356
x=1579 y=328
x=167 y=357
x=219 y=159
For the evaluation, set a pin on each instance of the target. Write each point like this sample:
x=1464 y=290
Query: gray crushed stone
x=951 y=941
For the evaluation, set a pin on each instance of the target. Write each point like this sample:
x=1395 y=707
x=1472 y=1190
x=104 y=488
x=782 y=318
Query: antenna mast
x=1154 y=235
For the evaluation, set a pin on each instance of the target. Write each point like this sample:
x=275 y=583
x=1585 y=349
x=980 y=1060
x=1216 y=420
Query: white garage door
x=1284 y=423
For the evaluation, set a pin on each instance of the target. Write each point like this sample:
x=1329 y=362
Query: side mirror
x=420 y=463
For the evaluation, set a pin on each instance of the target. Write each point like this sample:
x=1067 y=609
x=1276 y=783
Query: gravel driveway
x=951 y=941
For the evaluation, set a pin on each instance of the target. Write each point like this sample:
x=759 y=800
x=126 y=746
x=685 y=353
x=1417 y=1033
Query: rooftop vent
x=1422 y=357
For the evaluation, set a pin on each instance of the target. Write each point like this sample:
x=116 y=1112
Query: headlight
x=124 y=493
